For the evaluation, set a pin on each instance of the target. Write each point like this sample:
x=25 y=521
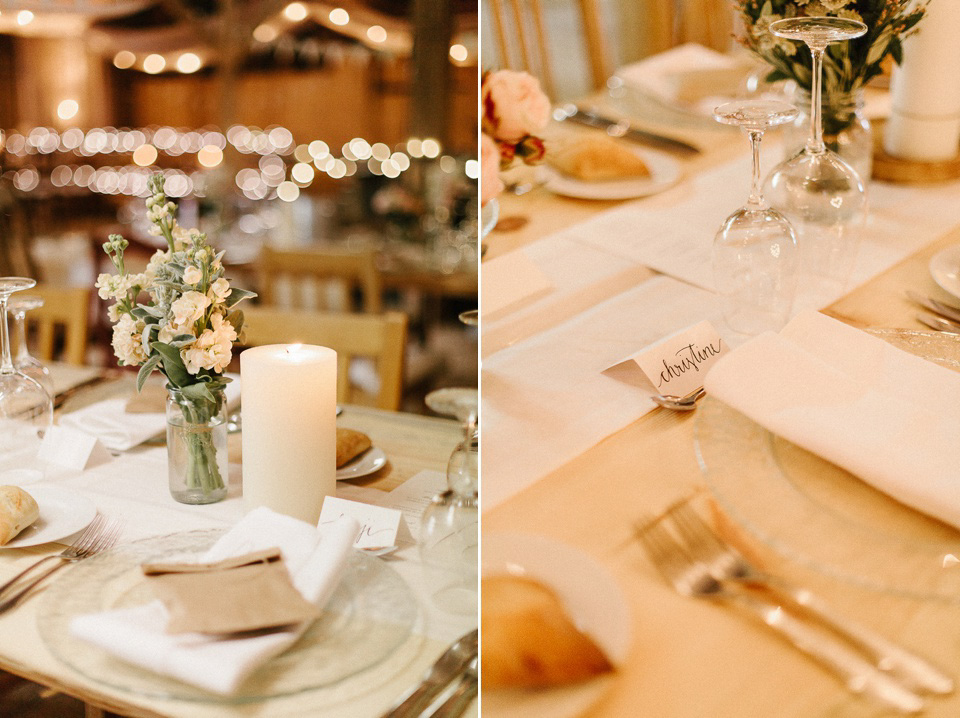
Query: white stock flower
x=192 y=275
x=127 y=344
x=113 y=313
x=220 y=290
x=213 y=348
x=107 y=285
x=189 y=308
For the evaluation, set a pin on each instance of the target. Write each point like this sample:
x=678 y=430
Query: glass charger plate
x=368 y=618
x=821 y=516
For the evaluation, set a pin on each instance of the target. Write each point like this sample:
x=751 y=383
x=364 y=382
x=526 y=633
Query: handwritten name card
x=677 y=364
x=378 y=525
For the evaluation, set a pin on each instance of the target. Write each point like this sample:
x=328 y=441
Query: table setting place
x=720 y=415
x=186 y=541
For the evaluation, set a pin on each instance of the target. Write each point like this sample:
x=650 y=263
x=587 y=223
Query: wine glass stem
x=756 y=201
x=815 y=142
x=6 y=367
x=20 y=322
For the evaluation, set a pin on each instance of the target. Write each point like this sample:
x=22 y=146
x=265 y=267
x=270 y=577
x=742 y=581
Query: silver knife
x=944 y=310
x=939 y=323
x=61 y=398
x=451 y=664
x=622 y=128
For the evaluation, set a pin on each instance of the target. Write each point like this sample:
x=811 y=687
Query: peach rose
x=490 y=184
x=514 y=105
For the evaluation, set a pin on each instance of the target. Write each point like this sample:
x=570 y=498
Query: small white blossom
x=213 y=348
x=220 y=290
x=189 y=308
x=192 y=275
x=127 y=344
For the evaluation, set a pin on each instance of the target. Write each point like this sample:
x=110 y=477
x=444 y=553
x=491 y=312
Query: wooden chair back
x=379 y=337
x=353 y=270
x=521 y=39
x=674 y=22
x=65 y=311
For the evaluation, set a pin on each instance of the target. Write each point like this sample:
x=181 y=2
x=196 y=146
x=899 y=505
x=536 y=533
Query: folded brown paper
x=243 y=593
x=152 y=399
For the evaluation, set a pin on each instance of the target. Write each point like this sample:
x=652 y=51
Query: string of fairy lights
x=283 y=166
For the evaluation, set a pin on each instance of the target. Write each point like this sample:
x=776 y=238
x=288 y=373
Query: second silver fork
x=693 y=578
x=726 y=563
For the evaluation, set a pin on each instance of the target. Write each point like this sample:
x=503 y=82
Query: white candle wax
x=925 y=122
x=289 y=439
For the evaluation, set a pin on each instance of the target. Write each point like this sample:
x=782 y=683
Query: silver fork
x=692 y=578
x=98 y=536
x=726 y=563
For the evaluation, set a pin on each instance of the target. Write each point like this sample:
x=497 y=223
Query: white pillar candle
x=925 y=123
x=289 y=415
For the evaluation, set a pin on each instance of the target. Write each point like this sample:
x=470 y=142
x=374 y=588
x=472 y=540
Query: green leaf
x=237 y=295
x=182 y=340
x=198 y=392
x=896 y=50
x=148 y=366
x=173 y=364
x=236 y=319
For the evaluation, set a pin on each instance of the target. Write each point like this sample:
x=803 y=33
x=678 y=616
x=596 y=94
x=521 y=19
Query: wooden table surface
x=413 y=443
x=690 y=658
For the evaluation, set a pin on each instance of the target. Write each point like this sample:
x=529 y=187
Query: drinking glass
x=819 y=192
x=449 y=530
x=26 y=409
x=755 y=250
x=24 y=361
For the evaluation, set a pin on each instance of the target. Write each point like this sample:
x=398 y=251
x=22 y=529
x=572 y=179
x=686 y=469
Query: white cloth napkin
x=119 y=430
x=316 y=561
x=888 y=417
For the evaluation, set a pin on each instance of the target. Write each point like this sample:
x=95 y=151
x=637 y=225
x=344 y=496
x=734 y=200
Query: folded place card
x=379 y=525
x=509 y=282
x=71 y=448
x=676 y=365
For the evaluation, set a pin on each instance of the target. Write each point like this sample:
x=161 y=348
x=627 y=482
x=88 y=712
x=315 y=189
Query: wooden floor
x=23 y=699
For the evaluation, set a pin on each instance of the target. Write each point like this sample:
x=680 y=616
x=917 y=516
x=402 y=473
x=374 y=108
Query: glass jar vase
x=846 y=130
x=197 y=446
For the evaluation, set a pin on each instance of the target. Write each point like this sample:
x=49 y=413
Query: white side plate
x=595 y=603
x=945 y=269
x=664 y=173
x=62 y=513
x=373 y=459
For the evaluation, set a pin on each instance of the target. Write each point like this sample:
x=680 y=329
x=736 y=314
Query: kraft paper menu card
x=509 y=282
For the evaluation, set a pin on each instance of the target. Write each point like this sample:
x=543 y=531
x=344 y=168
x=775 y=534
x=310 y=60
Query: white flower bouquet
x=186 y=330
x=847 y=66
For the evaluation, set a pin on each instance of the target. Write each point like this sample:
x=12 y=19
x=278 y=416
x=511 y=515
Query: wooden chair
x=674 y=22
x=379 y=337
x=354 y=270
x=65 y=310
x=532 y=54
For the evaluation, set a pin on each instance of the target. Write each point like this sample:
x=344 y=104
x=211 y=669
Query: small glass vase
x=197 y=447
x=846 y=130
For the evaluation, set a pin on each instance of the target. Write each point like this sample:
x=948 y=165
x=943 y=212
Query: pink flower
x=490 y=184
x=514 y=105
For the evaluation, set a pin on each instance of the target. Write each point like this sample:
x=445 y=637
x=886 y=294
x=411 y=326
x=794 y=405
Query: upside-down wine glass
x=26 y=409
x=24 y=361
x=449 y=528
x=755 y=250
x=819 y=192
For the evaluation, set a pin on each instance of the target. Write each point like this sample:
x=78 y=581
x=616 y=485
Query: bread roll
x=597 y=159
x=17 y=511
x=350 y=444
x=528 y=639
